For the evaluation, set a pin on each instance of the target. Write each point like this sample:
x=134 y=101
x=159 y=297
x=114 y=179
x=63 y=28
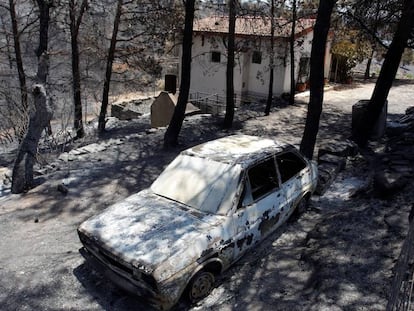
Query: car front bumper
x=125 y=282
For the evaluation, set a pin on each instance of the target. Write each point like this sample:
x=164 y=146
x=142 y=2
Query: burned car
x=206 y=209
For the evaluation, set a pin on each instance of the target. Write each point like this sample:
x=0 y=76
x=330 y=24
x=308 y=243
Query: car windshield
x=200 y=183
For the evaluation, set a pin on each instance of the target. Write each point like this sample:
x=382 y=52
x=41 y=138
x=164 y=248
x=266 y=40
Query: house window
x=215 y=57
x=257 y=57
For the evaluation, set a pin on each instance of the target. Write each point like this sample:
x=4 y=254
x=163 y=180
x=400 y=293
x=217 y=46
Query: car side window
x=263 y=178
x=289 y=164
x=246 y=195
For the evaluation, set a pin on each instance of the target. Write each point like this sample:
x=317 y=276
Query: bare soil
x=339 y=255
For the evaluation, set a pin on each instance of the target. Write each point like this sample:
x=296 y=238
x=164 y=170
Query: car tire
x=299 y=209
x=302 y=206
x=200 y=285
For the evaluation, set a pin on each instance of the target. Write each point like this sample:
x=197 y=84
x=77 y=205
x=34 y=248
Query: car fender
x=214 y=263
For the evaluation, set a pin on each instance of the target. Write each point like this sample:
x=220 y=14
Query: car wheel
x=299 y=209
x=201 y=285
x=302 y=205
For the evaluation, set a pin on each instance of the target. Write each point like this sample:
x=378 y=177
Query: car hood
x=147 y=230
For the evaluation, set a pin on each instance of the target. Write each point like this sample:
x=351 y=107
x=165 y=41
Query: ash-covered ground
x=339 y=255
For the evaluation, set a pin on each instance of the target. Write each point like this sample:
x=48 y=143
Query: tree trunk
x=42 y=52
x=171 y=135
x=7 y=38
x=387 y=74
x=292 y=55
x=367 y=74
x=22 y=179
x=18 y=55
x=272 y=56
x=76 y=86
x=228 y=118
x=44 y=18
x=20 y=126
x=108 y=73
x=317 y=64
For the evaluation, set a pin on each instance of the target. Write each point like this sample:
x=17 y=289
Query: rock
x=357 y=192
x=151 y=130
x=386 y=184
x=406 y=118
x=334 y=160
x=65 y=157
x=62 y=189
x=122 y=112
x=326 y=175
x=78 y=151
x=344 y=149
x=395 y=128
x=5 y=175
x=331 y=160
x=409 y=110
x=93 y=148
x=39 y=172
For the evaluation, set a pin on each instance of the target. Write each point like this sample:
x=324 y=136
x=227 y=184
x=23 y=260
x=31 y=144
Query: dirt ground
x=339 y=255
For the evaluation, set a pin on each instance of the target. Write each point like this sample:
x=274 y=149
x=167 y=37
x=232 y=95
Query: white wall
x=303 y=47
x=210 y=78
x=206 y=76
x=259 y=74
x=328 y=59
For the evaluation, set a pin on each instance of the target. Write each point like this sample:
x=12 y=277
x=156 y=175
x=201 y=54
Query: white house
x=252 y=59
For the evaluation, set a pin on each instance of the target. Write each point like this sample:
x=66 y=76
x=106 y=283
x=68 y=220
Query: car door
x=295 y=176
x=261 y=205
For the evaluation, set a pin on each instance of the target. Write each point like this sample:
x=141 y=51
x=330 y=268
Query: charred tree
x=75 y=22
x=292 y=55
x=317 y=62
x=44 y=20
x=18 y=56
x=272 y=58
x=228 y=118
x=108 y=72
x=42 y=50
x=387 y=74
x=7 y=38
x=22 y=179
x=171 y=135
x=367 y=73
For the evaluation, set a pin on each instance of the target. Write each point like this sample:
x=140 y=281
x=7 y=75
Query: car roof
x=237 y=149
